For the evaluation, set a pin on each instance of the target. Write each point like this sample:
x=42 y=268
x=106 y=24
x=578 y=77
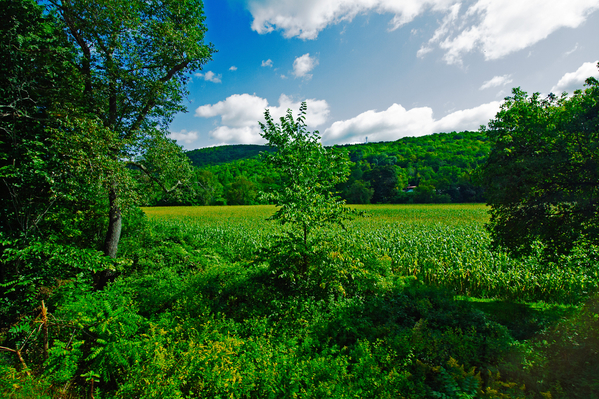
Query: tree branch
x=152 y=102
x=87 y=57
x=18 y=352
x=155 y=179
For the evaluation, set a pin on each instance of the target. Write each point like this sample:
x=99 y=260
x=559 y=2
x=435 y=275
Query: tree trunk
x=115 y=222
x=113 y=236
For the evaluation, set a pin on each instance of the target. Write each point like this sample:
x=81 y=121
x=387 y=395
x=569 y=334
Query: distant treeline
x=211 y=156
x=428 y=169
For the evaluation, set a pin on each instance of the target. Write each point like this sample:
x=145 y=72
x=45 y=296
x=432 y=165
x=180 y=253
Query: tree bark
x=113 y=236
x=115 y=224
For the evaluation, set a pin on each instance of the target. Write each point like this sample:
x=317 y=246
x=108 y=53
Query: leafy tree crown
x=310 y=171
x=542 y=175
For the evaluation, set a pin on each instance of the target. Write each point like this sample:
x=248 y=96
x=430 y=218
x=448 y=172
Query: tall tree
x=53 y=158
x=385 y=182
x=134 y=57
x=542 y=176
x=39 y=142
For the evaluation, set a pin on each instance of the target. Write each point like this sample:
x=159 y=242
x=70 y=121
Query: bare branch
x=3 y=348
x=154 y=178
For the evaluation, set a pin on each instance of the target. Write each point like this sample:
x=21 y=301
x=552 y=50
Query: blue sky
x=382 y=69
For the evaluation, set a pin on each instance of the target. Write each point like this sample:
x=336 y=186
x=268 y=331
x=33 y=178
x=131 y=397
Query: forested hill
x=464 y=149
x=434 y=168
x=440 y=146
x=222 y=154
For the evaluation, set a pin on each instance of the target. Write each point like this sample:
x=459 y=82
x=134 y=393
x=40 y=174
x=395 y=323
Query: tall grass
x=442 y=245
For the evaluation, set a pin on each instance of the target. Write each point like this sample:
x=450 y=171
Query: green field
x=445 y=245
x=446 y=213
x=408 y=301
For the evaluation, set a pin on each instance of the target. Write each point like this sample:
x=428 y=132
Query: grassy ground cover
x=445 y=245
x=406 y=302
x=428 y=340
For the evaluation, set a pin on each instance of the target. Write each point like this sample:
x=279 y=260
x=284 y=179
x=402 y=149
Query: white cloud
x=233 y=68
x=305 y=19
x=575 y=80
x=497 y=81
x=571 y=51
x=501 y=93
x=210 y=77
x=267 y=63
x=500 y=27
x=494 y=27
x=424 y=50
x=240 y=113
x=184 y=136
x=442 y=30
x=238 y=110
x=467 y=119
x=304 y=64
x=237 y=135
x=397 y=122
x=392 y=124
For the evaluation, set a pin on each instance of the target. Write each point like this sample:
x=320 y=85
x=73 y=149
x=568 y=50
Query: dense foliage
x=196 y=313
x=410 y=301
x=41 y=149
x=437 y=168
x=210 y=156
x=87 y=92
x=542 y=175
x=428 y=169
x=88 y=89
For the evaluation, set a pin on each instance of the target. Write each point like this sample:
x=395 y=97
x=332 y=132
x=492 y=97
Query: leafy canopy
x=542 y=175
x=87 y=90
x=134 y=58
x=307 y=198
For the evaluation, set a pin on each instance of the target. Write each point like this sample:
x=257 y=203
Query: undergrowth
x=207 y=311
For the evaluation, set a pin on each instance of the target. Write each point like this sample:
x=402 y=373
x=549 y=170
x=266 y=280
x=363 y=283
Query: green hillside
x=433 y=168
x=437 y=168
x=222 y=154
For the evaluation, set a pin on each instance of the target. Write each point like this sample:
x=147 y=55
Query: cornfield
x=441 y=245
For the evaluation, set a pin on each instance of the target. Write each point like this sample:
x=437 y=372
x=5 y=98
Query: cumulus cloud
x=391 y=124
x=497 y=81
x=304 y=64
x=307 y=18
x=499 y=27
x=239 y=115
x=210 y=77
x=267 y=63
x=467 y=119
x=238 y=110
x=397 y=122
x=493 y=27
x=184 y=136
x=233 y=68
x=575 y=80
